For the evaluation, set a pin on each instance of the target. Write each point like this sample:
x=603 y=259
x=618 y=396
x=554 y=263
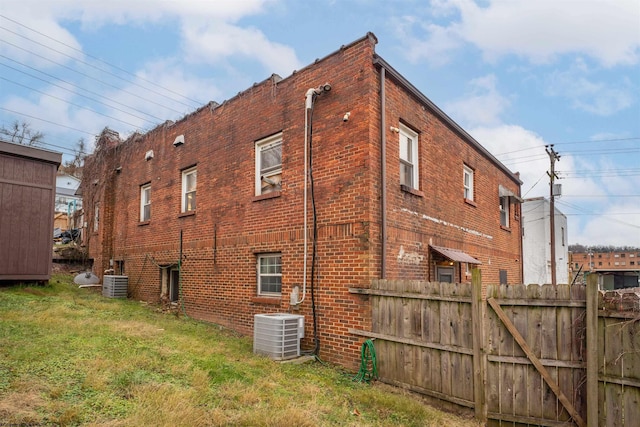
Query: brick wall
x=230 y=227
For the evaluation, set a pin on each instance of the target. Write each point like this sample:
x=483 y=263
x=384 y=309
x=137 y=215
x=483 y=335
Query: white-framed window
x=269 y=164
x=408 y=157
x=96 y=217
x=504 y=211
x=145 y=202
x=189 y=180
x=467 y=181
x=269 y=273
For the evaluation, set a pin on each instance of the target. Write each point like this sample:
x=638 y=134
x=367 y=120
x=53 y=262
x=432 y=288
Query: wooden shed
x=27 y=196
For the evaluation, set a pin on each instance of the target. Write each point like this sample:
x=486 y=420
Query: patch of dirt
x=21 y=408
x=68 y=268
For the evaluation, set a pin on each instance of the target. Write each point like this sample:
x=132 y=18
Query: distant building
x=617 y=270
x=536 y=243
x=67 y=201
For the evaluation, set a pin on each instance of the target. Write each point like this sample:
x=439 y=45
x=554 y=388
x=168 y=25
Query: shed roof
x=30 y=152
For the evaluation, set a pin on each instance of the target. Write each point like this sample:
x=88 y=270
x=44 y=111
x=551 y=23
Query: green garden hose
x=368 y=363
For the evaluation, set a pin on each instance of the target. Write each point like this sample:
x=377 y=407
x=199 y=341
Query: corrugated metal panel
x=455 y=255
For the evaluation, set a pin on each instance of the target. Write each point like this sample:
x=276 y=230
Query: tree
x=74 y=166
x=21 y=133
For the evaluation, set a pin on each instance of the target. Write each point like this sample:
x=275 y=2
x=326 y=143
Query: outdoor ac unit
x=115 y=286
x=278 y=335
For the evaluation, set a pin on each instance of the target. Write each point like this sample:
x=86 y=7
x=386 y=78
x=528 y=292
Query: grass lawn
x=69 y=356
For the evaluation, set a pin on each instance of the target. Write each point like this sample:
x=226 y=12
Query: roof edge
x=392 y=72
x=30 y=152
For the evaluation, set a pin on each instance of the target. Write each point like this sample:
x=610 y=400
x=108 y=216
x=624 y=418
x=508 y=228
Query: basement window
x=269 y=272
x=269 y=164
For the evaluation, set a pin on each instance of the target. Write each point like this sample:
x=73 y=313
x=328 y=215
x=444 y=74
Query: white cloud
x=586 y=94
x=209 y=30
x=40 y=48
x=618 y=224
x=483 y=105
x=436 y=49
x=213 y=42
x=541 y=30
x=593 y=219
x=519 y=149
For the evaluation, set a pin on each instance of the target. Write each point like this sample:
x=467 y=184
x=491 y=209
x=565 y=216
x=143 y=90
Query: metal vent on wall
x=115 y=286
x=278 y=335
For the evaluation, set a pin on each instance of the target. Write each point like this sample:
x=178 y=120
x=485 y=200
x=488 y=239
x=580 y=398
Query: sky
x=517 y=75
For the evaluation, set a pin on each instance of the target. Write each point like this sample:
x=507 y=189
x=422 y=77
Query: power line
x=604 y=216
x=49 y=137
x=591 y=141
x=69 y=102
x=93 y=78
x=601 y=152
x=589 y=196
x=47 y=121
x=76 y=86
x=93 y=66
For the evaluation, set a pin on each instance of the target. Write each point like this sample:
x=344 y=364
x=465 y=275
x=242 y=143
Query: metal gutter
x=406 y=84
x=383 y=149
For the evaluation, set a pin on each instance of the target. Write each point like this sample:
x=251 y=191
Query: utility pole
x=553 y=157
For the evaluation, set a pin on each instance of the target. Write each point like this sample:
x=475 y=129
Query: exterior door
x=174 y=285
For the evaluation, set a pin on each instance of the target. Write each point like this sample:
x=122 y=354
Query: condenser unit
x=278 y=335
x=115 y=286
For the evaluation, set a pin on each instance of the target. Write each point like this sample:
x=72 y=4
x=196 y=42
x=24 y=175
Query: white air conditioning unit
x=278 y=335
x=115 y=286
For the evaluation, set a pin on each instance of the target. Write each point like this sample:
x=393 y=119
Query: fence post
x=477 y=319
x=592 y=350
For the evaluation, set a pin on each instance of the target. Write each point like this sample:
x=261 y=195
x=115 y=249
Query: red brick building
x=209 y=211
x=616 y=269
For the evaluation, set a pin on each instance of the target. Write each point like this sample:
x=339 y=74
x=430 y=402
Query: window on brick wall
x=504 y=211
x=96 y=217
x=269 y=274
x=145 y=202
x=189 y=181
x=503 y=277
x=408 y=158
x=467 y=180
x=269 y=164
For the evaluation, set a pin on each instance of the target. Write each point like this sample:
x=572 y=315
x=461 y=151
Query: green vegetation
x=68 y=356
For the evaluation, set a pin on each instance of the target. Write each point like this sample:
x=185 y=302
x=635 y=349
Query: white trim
x=504 y=210
x=468 y=187
x=411 y=155
x=274 y=174
x=145 y=201
x=183 y=202
x=260 y=275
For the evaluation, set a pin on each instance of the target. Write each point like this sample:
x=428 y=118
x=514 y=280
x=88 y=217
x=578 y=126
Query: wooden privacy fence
x=517 y=355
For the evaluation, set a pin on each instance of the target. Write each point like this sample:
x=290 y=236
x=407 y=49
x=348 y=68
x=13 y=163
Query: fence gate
x=535 y=371
x=517 y=355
